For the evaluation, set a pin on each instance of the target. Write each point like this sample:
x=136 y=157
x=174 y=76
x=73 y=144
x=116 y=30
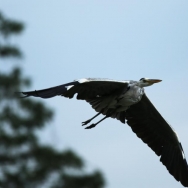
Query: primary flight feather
x=126 y=101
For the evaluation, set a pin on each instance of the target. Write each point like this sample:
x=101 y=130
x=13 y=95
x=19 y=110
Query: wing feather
x=150 y=126
x=50 y=92
x=85 y=88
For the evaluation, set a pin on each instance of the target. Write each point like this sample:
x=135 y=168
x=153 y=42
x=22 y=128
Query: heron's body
x=126 y=101
x=117 y=102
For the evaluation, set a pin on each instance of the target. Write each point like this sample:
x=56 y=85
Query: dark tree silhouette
x=24 y=163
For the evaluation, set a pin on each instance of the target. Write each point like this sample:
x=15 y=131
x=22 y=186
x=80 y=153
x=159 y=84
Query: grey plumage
x=126 y=101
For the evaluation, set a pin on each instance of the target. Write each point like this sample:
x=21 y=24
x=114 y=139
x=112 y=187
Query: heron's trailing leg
x=94 y=124
x=86 y=122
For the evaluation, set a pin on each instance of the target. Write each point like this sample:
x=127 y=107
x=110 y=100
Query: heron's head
x=144 y=82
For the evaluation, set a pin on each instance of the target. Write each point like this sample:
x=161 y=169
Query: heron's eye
x=143 y=80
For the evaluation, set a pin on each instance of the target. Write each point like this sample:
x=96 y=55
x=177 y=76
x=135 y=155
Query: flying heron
x=126 y=101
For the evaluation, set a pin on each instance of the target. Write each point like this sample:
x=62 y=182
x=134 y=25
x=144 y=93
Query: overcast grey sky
x=67 y=40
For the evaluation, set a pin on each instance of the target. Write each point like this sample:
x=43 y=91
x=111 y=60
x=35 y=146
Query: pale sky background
x=67 y=40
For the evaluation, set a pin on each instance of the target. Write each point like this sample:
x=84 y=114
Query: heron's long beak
x=152 y=81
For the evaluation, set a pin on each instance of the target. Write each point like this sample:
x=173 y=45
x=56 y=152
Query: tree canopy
x=24 y=162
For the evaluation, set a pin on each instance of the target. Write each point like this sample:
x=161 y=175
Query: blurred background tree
x=24 y=163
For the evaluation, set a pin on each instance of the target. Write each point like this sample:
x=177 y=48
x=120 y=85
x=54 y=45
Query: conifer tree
x=24 y=163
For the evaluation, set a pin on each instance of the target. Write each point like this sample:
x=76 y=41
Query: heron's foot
x=86 y=122
x=91 y=126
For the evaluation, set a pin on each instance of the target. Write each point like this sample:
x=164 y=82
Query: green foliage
x=24 y=163
x=9 y=51
x=91 y=181
x=8 y=28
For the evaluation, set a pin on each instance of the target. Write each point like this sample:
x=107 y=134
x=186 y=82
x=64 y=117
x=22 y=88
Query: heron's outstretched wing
x=85 y=88
x=150 y=126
